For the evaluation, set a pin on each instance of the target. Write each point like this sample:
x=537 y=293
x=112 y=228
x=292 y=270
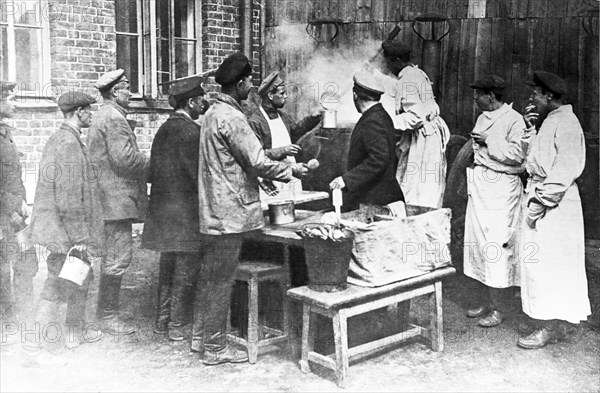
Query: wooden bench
x=356 y=300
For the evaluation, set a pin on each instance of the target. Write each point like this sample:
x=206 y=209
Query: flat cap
x=187 y=87
x=369 y=82
x=110 y=79
x=492 y=83
x=74 y=99
x=272 y=81
x=395 y=49
x=549 y=81
x=233 y=69
x=7 y=86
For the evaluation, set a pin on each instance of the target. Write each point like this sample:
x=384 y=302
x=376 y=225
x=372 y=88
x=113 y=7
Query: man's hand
x=291 y=150
x=80 y=247
x=299 y=170
x=337 y=183
x=24 y=209
x=480 y=138
x=317 y=111
x=530 y=117
x=535 y=211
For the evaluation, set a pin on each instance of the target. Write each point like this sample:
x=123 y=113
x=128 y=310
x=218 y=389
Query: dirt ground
x=474 y=359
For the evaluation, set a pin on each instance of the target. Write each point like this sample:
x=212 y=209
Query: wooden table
x=356 y=300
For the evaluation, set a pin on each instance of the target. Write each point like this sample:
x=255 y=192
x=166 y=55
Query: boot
x=108 y=307
x=33 y=355
x=226 y=355
x=79 y=334
x=165 y=275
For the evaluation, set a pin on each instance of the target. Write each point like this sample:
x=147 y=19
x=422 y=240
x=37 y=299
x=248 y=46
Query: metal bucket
x=282 y=212
x=75 y=269
x=329 y=119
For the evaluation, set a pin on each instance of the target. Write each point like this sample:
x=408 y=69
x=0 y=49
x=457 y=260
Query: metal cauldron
x=282 y=211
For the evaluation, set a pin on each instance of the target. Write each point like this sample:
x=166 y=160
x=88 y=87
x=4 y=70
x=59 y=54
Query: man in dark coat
x=372 y=160
x=172 y=223
x=13 y=212
x=123 y=192
x=67 y=217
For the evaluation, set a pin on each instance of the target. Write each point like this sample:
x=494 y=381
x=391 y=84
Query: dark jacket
x=12 y=191
x=123 y=168
x=260 y=126
x=66 y=209
x=372 y=161
x=172 y=221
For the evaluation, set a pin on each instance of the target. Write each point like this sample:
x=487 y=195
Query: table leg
x=437 y=318
x=308 y=337
x=253 y=320
x=340 y=332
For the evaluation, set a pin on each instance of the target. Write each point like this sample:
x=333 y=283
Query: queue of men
x=205 y=196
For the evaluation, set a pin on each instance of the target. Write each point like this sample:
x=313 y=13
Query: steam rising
x=325 y=80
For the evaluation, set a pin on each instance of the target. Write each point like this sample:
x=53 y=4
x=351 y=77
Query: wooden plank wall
x=510 y=38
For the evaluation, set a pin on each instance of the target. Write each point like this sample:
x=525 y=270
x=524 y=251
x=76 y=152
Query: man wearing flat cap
x=554 y=288
x=494 y=204
x=66 y=220
x=171 y=227
x=276 y=129
x=13 y=212
x=372 y=159
x=231 y=160
x=123 y=192
x=423 y=133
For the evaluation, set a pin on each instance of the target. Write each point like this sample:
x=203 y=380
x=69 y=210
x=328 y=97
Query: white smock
x=495 y=194
x=553 y=281
x=421 y=149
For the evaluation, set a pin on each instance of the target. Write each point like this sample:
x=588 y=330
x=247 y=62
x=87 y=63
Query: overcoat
x=123 y=169
x=12 y=191
x=172 y=221
x=67 y=208
x=372 y=161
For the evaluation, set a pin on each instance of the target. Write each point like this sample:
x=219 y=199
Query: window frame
x=147 y=39
x=43 y=55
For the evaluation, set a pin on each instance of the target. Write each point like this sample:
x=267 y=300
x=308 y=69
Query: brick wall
x=221 y=34
x=83 y=47
x=83 y=42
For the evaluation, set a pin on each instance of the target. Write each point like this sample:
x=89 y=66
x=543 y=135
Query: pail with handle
x=75 y=269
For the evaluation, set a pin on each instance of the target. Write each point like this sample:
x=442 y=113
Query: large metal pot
x=282 y=212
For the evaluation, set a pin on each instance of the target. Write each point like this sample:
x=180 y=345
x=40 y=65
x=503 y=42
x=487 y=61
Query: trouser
x=16 y=293
x=119 y=246
x=213 y=290
x=177 y=277
x=58 y=290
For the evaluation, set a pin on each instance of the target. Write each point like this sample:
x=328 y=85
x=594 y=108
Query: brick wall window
x=24 y=44
x=157 y=41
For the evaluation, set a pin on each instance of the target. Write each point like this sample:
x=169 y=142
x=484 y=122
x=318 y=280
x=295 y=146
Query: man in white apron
x=276 y=129
x=554 y=287
x=423 y=133
x=494 y=206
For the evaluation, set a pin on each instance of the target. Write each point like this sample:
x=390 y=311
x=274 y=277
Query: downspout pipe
x=247 y=28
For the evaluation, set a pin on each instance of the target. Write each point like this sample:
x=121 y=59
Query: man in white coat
x=494 y=205
x=423 y=133
x=554 y=284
